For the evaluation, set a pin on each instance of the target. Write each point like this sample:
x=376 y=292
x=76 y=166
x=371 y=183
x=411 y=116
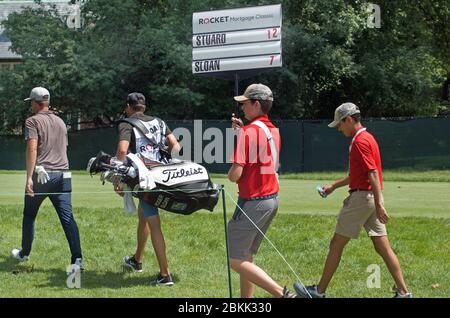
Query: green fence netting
x=416 y=143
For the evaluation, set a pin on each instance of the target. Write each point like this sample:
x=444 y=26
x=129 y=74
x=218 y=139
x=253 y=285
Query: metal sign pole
x=236 y=92
x=226 y=240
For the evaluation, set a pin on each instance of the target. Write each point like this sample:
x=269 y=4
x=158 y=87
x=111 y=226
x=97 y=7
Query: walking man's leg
x=142 y=236
x=245 y=238
x=247 y=287
x=337 y=245
x=250 y=275
x=383 y=247
x=31 y=208
x=150 y=213
x=159 y=244
x=63 y=205
x=135 y=261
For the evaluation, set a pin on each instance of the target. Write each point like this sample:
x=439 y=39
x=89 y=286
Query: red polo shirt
x=253 y=154
x=364 y=156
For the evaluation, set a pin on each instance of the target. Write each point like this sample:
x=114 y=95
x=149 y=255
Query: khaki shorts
x=358 y=211
x=243 y=237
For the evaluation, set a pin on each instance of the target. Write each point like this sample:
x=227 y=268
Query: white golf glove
x=146 y=182
x=42 y=174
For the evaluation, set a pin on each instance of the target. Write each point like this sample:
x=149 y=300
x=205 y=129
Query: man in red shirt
x=363 y=207
x=254 y=170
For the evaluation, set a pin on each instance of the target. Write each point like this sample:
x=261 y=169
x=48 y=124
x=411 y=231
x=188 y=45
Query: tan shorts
x=358 y=211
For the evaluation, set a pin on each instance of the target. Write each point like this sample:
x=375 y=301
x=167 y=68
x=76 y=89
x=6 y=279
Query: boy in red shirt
x=363 y=207
x=254 y=170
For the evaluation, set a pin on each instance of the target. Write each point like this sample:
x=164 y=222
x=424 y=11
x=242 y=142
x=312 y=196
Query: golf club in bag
x=181 y=187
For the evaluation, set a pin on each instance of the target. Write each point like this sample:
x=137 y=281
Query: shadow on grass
x=90 y=279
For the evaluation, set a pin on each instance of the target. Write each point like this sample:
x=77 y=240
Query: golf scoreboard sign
x=236 y=39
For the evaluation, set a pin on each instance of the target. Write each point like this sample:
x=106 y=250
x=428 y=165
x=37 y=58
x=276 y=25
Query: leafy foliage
x=329 y=56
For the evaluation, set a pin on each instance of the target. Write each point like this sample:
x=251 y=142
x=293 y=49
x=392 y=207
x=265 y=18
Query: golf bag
x=181 y=187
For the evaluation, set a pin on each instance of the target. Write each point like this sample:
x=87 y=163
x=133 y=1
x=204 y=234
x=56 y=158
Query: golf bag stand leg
x=226 y=239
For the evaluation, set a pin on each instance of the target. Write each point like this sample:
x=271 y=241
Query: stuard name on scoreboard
x=211 y=39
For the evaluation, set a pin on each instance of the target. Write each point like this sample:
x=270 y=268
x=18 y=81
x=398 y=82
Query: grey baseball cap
x=343 y=111
x=39 y=94
x=255 y=91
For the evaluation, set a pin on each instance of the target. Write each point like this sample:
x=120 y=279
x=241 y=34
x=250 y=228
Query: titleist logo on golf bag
x=181 y=173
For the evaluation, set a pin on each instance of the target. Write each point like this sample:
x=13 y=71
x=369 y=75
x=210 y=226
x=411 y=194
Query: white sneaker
x=407 y=295
x=79 y=262
x=15 y=253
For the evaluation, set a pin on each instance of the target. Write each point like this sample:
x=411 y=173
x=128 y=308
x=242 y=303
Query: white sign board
x=236 y=39
x=72 y=15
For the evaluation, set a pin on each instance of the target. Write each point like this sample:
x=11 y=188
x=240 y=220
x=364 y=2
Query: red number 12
x=272 y=33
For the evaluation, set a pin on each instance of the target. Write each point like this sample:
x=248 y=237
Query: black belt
x=355 y=190
x=264 y=197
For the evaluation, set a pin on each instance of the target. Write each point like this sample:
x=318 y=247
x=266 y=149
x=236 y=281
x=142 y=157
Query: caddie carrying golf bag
x=181 y=187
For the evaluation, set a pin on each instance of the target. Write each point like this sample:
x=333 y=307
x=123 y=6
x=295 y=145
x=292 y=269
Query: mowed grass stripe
x=422 y=199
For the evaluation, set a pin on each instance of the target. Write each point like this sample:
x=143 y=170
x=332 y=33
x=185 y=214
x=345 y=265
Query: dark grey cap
x=136 y=99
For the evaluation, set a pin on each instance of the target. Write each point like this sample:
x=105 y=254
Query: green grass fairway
x=419 y=231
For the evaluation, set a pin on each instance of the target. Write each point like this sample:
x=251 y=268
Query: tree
x=48 y=48
x=330 y=55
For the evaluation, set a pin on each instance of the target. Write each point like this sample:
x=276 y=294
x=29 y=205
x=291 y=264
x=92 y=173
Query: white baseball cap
x=39 y=94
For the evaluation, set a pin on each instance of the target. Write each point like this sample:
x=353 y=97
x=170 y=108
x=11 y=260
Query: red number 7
x=272 y=57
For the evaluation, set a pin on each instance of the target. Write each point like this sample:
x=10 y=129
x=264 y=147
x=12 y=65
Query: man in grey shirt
x=48 y=175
